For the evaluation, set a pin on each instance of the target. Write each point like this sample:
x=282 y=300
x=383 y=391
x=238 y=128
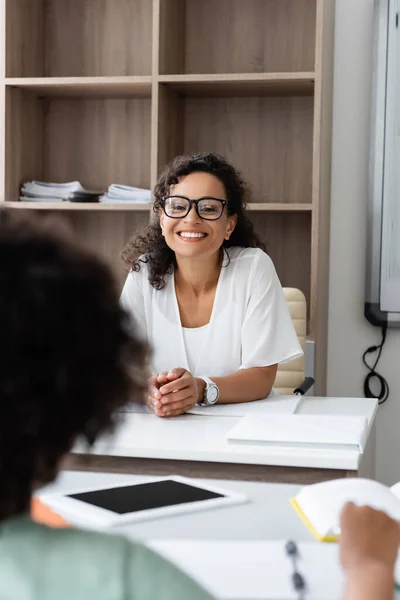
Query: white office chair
x=291 y=375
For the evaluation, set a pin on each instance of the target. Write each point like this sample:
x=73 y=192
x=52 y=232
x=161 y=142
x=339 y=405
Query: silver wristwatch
x=211 y=393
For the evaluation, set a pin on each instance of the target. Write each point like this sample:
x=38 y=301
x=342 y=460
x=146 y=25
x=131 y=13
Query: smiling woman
x=204 y=293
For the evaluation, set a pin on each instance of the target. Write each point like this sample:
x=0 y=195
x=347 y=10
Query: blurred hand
x=367 y=537
x=174 y=393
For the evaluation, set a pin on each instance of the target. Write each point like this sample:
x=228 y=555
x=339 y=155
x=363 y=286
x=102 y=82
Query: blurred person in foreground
x=69 y=361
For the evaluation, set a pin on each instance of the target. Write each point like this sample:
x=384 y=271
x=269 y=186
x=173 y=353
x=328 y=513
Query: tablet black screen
x=134 y=498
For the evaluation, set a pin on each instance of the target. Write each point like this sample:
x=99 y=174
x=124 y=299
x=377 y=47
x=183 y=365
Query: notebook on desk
x=319 y=505
x=329 y=432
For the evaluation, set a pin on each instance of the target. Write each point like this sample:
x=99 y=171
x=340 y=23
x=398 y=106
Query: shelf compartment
x=242 y=84
x=237 y=36
x=95 y=141
x=269 y=139
x=95 y=87
x=73 y=38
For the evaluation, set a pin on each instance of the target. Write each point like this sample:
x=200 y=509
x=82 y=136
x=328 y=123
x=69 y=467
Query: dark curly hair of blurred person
x=69 y=357
x=150 y=246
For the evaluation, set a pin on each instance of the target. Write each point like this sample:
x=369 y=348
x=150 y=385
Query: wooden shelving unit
x=107 y=91
x=253 y=206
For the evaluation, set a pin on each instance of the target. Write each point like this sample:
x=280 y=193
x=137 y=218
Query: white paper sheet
x=272 y=405
x=256 y=570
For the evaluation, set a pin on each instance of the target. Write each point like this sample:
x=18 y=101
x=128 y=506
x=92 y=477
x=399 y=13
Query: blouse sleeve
x=268 y=334
x=132 y=301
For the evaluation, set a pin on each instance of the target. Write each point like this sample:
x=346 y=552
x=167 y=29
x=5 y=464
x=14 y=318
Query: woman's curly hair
x=151 y=247
x=70 y=358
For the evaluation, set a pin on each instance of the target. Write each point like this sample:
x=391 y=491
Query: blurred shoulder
x=88 y=564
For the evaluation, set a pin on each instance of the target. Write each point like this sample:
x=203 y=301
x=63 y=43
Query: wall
x=349 y=333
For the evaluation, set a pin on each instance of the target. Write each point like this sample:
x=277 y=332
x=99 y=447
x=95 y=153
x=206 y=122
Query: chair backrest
x=290 y=375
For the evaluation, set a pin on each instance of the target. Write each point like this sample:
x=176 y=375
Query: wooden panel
x=288 y=240
x=98 y=37
x=79 y=206
x=245 y=36
x=282 y=207
x=172 y=36
x=322 y=143
x=268 y=139
x=24 y=28
x=154 y=93
x=170 y=126
x=243 y=84
x=107 y=234
x=93 y=206
x=199 y=469
x=98 y=142
x=24 y=141
x=65 y=87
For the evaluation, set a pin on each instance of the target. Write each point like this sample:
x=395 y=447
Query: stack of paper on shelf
x=121 y=194
x=41 y=191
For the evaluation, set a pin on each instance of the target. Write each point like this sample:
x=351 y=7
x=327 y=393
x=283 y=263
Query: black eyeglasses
x=177 y=207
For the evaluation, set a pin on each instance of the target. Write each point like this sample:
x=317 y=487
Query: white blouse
x=250 y=324
x=193 y=338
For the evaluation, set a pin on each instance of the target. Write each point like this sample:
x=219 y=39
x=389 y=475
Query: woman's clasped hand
x=174 y=392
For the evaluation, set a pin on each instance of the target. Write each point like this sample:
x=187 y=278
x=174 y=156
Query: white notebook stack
x=121 y=194
x=323 y=431
x=42 y=191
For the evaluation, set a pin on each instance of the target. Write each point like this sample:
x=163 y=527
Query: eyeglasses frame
x=196 y=203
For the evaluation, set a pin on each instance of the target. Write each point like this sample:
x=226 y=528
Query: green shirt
x=41 y=563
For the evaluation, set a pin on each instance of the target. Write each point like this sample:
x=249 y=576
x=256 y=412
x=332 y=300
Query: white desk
x=268 y=516
x=195 y=446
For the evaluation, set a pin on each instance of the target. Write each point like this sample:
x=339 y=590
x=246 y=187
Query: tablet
x=143 y=500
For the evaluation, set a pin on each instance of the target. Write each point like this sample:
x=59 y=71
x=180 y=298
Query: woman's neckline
x=196 y=328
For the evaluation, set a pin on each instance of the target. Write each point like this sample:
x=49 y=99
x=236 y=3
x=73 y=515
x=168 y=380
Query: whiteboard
x=382 y=277
x=390 y=241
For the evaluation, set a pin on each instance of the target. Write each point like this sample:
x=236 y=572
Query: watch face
x=212 y=394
